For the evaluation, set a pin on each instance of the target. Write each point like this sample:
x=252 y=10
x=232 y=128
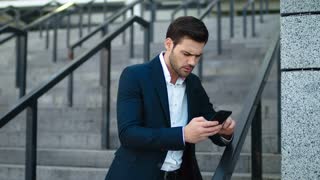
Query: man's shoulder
x=193 y=78
x=137 y=68
x=143 y=67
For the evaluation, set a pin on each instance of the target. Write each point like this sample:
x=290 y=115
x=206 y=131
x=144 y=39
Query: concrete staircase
x=69 y=139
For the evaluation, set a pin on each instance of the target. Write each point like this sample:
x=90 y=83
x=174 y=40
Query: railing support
x=55 y=41
x=105 y=69
x=89 y=16
x=23 y=64
x=219 y=27
x=41 y=24
x=261 y=10
x=256 y=145
x=253 y=19
x=70 y=80
x=279 y=96
x=200 y=68
x=47 y=35
x=231 y=18
x=153 y=18
x=131 y=51
x=18 y=60
x=124 y=17
x=68 y=29
x=31 y=142
x=147 y=33
x=105 y=10
x=80 y=22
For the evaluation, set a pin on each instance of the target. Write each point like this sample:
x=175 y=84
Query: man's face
x=183 y=57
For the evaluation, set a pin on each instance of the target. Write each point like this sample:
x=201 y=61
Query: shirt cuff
x=226 y=141
x=183 y=135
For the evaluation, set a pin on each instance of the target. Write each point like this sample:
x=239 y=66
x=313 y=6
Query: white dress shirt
x=178 y=108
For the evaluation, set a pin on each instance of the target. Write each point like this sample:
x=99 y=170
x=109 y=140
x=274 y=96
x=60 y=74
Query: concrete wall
x=300 y=91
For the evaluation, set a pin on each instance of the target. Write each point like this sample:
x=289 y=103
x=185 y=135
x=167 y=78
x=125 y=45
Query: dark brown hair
x=187 y=26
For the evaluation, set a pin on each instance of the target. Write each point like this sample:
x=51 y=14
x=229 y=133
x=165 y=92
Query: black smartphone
x=221 y=116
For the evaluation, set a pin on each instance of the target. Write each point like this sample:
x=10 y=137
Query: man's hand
x=227 y=128
x=200 y=129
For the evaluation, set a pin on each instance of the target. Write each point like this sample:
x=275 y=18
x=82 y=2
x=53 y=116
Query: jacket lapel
x=161 y=88
x=189 y=97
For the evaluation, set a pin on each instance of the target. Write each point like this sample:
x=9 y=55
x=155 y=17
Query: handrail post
x=244 y=15
x=267 y=6
x=147 y=32
x=104 y=10
x=80 y=22
x=89 y=16
x=279 y=96
x=105 y=68
x=153 y=18
x=256 y=145
x=231 y=18
x=68 y=28
x=70 y=80
x=23 y=63
x=31 y=142
x=132 y=37
x=185 y=6
x=41 y=24
x=200 y=68
x=219 y=26
x=253 y=18
x=198 y=8
x=261 y=10
x=55 y=41
x=47 y=35
x=18 y=60
x=124 y=18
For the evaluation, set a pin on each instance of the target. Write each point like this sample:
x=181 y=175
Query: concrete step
x=53 y=140
x=103 y=158
x=16 y=172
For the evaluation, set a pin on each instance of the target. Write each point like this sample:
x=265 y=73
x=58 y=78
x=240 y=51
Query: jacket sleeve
x=207 y=111
x=130 y=117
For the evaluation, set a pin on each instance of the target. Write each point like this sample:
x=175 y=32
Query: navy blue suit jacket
x=144 y=124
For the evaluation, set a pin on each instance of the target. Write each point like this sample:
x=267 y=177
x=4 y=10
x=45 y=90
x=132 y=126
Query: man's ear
x=168 y=44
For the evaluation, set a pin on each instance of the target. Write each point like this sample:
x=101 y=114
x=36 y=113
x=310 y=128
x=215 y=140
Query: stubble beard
x=174 y=67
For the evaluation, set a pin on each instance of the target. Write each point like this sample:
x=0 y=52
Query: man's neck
x=174 y=76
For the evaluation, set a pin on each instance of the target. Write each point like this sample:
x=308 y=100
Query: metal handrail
x=16 y=14
x=43 y=18
x=21 y=56
x=30 y=101
x=102 y=28
x=244 y=14
x=251 y=114
x=205 y=13
x=183 y=6
x=106 y=23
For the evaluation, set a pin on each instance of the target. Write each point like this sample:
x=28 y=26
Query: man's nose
x=192 y=61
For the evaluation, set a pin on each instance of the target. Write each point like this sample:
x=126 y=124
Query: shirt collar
x=166 y=70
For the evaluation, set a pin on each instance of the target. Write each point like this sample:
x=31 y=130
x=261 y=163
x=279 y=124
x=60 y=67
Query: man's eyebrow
x=197 y=55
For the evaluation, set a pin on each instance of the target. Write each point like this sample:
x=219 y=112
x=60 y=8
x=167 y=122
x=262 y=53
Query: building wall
x=300 y=89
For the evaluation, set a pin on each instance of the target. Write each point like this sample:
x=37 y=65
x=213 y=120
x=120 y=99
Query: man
x=162 y=111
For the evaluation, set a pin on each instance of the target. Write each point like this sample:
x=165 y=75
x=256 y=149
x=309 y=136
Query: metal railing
x=250 y=115
x=103 y=28
x=206 y=12
x=30 y=101
x=184 y=5
x=15 y=18
x=21 y=56
x=244 y=14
